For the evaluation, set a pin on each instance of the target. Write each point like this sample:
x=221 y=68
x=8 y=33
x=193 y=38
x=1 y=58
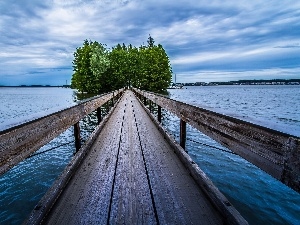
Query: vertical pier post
x=182 y=133
x=150 y=106
x=159 y=113
x=113 y=99
x=99 y=116
x=107 y=107
x=77 y=136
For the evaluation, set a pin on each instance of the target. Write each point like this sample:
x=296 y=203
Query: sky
x=215 y=40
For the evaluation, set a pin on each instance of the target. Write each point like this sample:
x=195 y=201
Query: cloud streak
x=219 y=39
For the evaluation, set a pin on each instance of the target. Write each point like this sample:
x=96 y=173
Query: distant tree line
x=98 y=69
x=248 y=82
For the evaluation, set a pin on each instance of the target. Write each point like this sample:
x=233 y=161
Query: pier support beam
x=182 y=133
x=150 y=106
x=159 y=113
x=107 y=107
x=99 y=116
x=113 y=100
x=77 y=136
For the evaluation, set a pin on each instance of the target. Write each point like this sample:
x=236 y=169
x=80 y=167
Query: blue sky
x=216 y=40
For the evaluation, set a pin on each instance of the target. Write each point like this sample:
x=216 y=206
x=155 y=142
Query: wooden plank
x=274 y=152
x=50 y=198
x=19 y=142
x=131 y=200
x=86 y=198
x=231 y=215
x=131 y=175
x=178 y=199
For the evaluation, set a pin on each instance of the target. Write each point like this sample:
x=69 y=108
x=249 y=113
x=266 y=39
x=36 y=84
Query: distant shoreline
x=239 y=82
x=246 y=82
x=36 y=86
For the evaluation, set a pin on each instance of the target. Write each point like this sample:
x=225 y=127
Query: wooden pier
x=132 y=175
x=130 y=171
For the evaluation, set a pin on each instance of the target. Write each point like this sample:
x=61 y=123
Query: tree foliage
x=98 y=70
x=81 y=66
x=99 y=64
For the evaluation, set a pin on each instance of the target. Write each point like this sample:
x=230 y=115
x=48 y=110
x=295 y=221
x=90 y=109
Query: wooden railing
x=18 y=143
x=275 y=152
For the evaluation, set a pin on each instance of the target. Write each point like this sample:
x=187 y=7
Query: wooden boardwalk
x=132 y=175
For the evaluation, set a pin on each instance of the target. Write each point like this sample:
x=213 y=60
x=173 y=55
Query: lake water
x=260 y=198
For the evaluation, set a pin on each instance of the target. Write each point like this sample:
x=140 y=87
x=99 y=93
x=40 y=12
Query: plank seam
x=39 y=214
x=115 y=172
x=228 y=211
x=146 y=169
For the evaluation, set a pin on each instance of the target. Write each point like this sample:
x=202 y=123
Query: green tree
x=97 y=70
x=81 y=78
x=150 y=41
x=99 y=64
x=117 y=71
x=156 y=72
x=134 y=66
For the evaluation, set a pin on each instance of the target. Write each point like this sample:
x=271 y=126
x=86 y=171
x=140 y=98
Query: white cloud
x=44 y=34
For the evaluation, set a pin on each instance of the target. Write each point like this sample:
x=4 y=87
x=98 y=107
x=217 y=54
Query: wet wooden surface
x=131 y=175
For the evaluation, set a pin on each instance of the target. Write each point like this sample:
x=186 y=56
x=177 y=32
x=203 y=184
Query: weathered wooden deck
x=132 y=175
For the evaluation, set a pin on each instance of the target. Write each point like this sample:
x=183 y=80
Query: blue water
x=276 y=107
x=260 y=198
x=19 y=105
x=24 y=185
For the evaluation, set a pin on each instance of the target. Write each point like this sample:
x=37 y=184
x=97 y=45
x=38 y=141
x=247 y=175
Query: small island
x=98 y=69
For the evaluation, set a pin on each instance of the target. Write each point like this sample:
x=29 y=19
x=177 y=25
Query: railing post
x=77 y=136
x=182 y=133
x=99 y=116
x=159 y=113
x=107 y=107
x=150 y=106
x=145 y=100
x=113 y=98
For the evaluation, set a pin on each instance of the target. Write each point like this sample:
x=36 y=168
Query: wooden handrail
x=17 y=143
x=275 y=152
